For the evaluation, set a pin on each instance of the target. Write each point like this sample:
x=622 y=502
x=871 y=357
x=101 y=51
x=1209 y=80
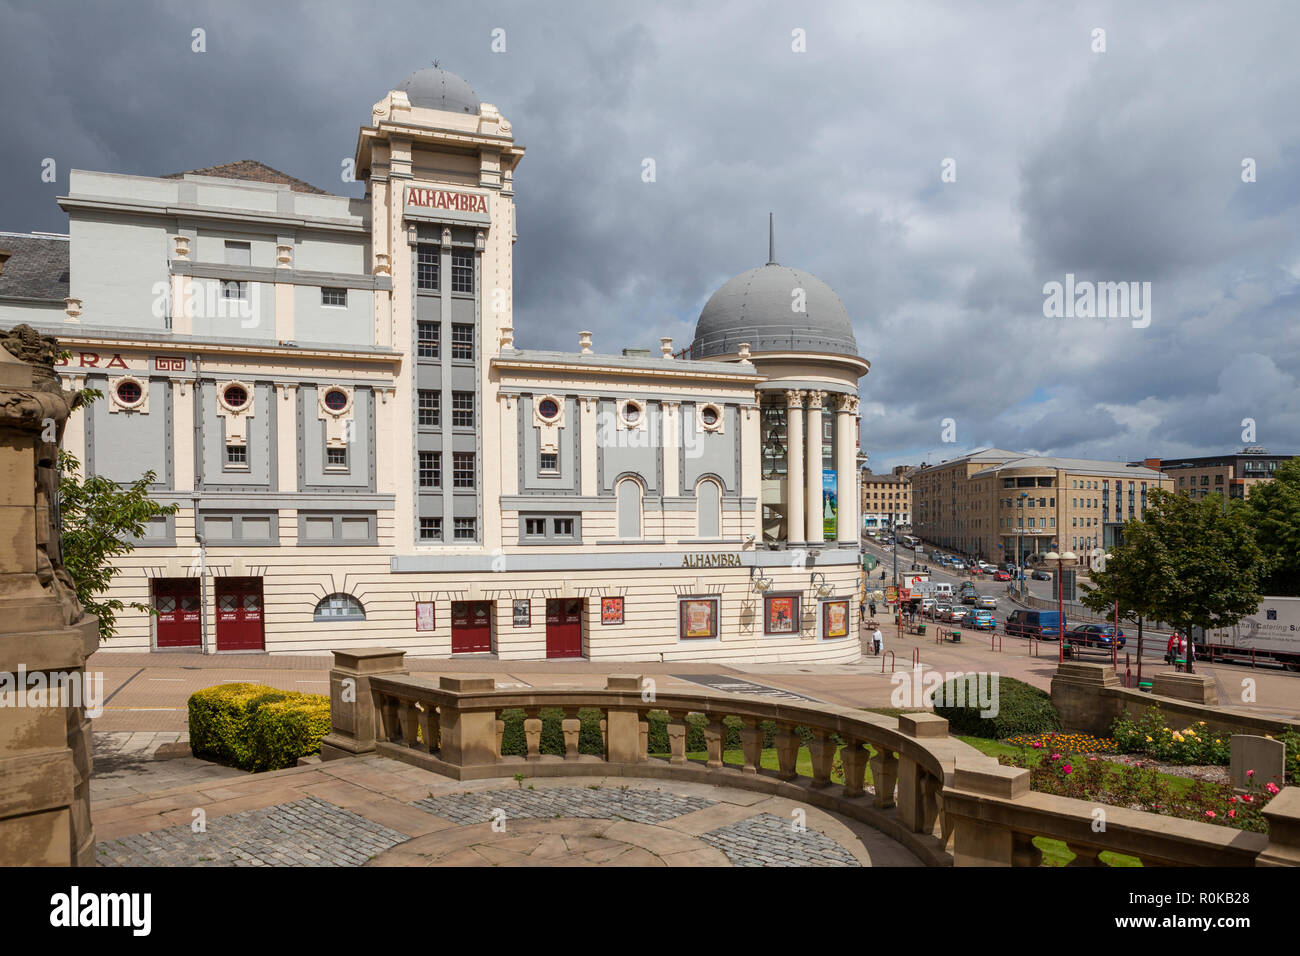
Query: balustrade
x=945 y=800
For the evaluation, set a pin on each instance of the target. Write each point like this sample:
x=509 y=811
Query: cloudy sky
x=1122 y=165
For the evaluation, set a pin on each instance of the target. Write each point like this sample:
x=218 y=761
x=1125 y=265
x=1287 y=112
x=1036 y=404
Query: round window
x=128 y=393
x=709 y=414
x=336 y=400
x=548 y=409
x=235 y=396
x=631 y=413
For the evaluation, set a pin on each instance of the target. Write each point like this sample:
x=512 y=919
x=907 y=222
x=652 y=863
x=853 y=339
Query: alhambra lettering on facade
x=445 y=199
x=720 y=560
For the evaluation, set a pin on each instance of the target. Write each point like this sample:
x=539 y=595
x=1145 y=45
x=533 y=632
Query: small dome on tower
x=438 y=89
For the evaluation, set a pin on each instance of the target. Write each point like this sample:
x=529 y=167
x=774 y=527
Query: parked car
x=1094 y=635
x=939 y=610
x=927 y=607
x=987 y=601
x=954 y=614
x=1045 y=625
x=981 y=620
x=1001 y=576
x=1040 y=575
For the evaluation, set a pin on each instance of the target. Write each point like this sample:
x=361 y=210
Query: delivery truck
x=1272 y=633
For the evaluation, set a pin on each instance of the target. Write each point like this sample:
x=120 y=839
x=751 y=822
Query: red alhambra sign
x=420 y=198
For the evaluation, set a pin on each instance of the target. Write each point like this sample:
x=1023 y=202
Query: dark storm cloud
x=1123 y=165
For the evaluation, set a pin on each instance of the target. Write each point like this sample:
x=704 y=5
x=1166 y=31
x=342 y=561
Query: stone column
x=794 y=490
x=813 y=476
x=45 y=633
x=846 y=470
x=352 y=709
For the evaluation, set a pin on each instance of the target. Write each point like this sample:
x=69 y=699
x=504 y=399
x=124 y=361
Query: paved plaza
x=380 y=812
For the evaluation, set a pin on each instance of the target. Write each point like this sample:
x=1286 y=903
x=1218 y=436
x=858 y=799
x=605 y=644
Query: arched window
x=708 y=507
x=629 y=509
x=340 y=607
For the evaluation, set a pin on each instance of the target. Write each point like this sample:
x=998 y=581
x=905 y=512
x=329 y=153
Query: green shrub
x=1020 y=709
x=255 y=727
x=514 y=743
x=1195 y=745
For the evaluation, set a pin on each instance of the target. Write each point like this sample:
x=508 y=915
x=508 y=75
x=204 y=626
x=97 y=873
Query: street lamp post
x=1020 y=547
x=1062 y=559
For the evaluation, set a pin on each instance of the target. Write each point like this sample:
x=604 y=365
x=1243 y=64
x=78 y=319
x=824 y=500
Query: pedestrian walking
x=877 y=641
x=872 y=605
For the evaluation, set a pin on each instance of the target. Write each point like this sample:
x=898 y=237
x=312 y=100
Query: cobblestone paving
x=768 y=840
x=309 y=832
x=638 y=806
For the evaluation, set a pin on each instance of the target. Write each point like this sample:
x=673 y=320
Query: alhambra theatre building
x=364 y=451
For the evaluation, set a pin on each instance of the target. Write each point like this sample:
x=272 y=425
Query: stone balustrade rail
x=940 y=797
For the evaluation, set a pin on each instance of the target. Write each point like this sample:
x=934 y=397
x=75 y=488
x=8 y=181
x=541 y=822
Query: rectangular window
x=430 y=406
x=430 y=469
x=535 y=527
x=336 y=457
x=462 y=409
x=548 y=461
x=428 y=259
x=562 y=527
x=233 y=289
x=465 y=529
x=462 y=270
x=462 y=469
x=427 y=340
x=430 y=529
x=237 y=455
x=462 y=341
x=239 y=253
x=334 y=297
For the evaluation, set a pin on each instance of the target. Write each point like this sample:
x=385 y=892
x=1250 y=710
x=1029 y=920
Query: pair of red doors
x=564 y=627
x=471 y=627
x=239 y=613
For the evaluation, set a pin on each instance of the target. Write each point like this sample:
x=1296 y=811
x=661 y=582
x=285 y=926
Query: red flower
x=1068 y=769
x=1211 y=814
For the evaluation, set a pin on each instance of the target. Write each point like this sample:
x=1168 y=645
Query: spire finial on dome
x=771 y=241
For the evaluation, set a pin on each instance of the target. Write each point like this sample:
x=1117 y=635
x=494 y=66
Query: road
x=1153 y=643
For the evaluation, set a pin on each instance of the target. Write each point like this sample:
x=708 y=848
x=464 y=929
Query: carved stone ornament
x=34 y=409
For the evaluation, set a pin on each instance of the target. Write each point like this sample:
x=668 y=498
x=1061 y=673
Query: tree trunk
x=1139 y=650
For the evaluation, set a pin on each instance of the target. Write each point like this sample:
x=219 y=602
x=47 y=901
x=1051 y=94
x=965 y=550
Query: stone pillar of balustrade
x=352 y=710
x=1283 y=815
x=469 y=737
x=916 y=801
x=623 y=731
x=978 y=842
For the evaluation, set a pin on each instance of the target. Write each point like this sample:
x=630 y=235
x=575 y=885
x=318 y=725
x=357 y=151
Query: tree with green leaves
x=98 y=517
x=1189 y=563
x=1274 y=509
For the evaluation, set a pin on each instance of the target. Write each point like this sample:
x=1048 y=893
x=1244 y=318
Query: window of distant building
x=462 y=341
x=335 y=297
x=427 y=340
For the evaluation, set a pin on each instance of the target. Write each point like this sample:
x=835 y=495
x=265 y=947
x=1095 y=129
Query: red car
x=1001 y=576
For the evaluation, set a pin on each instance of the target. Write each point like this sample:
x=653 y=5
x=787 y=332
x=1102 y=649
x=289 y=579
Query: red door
x=177 y=603
x=564 y=627
x=239 y=614
x=471 y=627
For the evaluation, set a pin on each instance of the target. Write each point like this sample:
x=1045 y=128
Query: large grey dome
x=758 y=307
x=438 y=89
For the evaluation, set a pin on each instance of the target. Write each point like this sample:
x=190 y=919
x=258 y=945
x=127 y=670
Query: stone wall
x=1089 y=697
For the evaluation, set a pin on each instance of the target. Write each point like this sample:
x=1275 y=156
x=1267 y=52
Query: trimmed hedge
x=1021 y=709
x=255 y=727
x=515 y=744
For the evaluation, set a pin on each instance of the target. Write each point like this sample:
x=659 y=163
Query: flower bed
x=1195 y=745
x=1134 y=785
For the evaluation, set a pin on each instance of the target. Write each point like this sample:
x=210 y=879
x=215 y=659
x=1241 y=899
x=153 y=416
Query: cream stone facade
x=334 y=393
x=997 y=505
